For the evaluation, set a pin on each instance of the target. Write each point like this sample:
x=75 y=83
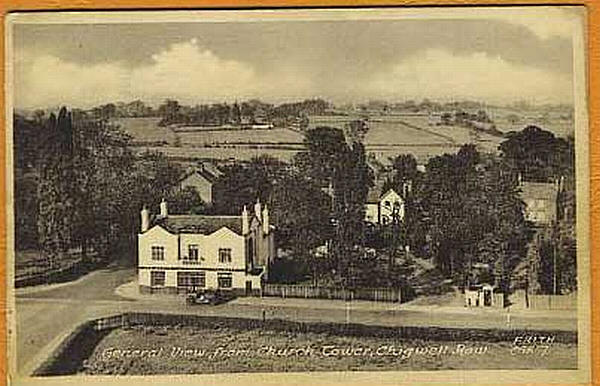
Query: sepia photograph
x=373 y=191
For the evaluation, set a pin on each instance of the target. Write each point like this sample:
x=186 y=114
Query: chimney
x=257 y=209
x=520 y=179
x=406 y=188
x=265 y=220
x=164 y=212
x=245 y=222
x=145 y=219
x=561 y=184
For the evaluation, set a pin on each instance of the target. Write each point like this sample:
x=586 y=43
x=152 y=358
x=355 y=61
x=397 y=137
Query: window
x=157 y=278
x=191 y=279
x=193 y=252
x=224 y=255
x=158 y=252
x=387 y=204
x=250 y=249
x=224 y=279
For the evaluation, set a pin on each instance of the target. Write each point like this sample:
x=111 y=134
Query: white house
x=481 y=296
x=202 y=179
x=382 y=208
x=182 y=253
x=540 y=201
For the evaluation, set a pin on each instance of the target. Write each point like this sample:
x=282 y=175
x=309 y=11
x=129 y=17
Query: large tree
x=89 y=187
x=538 y=154
x=472 y=214
x=56 y=193
x=244 y=183
x=339 y=165
x=301 y=211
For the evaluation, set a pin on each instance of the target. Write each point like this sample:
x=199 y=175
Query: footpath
x=563 y=317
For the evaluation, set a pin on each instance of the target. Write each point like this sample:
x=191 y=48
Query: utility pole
x=554 y=268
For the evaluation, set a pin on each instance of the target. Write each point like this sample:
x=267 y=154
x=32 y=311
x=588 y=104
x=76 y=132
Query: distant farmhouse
x=541 y=201
x=381 y=207
x=182 y=253
x=202 y=179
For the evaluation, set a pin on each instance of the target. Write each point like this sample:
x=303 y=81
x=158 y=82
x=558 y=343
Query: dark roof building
x=199 y=224
x=202 y=180
x=540 y=200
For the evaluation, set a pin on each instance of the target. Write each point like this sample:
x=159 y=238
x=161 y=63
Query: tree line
x=244 y=113
x=78 y=185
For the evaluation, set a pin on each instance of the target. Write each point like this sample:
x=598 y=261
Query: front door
x=487 y=298
x=248 y=287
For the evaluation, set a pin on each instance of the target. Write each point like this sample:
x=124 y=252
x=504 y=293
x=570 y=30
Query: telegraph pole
x=554 y=267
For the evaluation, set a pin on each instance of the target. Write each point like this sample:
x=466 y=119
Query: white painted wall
x=201 y=184
x=209 y=245
x=159 y=237
x=372 y=213
x=393 y=199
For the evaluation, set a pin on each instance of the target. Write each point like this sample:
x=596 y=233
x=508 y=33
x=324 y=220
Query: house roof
x=539 y=190
x=199 y=224
x=374 y=193
x=388 y=192
x=206 y=171
x=212 y=169
x=202 y=174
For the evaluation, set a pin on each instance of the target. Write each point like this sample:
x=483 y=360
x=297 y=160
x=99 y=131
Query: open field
x=224 y=153
x=209 y=137
x=193 y=350
x=389 y=135
x=146 y=130
x=558 y=122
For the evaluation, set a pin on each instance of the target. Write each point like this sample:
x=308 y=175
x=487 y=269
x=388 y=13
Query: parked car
x=209 y=297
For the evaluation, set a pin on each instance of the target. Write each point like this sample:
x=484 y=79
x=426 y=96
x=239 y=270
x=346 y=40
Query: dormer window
x=158 y=252
x=193 y=252
x=225 y=255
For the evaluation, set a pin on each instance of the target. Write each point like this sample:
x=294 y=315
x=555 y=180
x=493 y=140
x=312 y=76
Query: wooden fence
x=553 y=302
x=38 y=272
x=316 y=292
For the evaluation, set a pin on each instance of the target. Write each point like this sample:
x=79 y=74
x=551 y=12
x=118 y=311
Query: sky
x=492 y=59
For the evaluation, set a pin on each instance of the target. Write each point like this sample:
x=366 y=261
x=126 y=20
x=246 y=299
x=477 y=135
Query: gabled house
x=183 y=253
x=382 y=208
x=202 y=180
x=541 y=202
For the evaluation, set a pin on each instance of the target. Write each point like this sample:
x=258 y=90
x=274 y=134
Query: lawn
x=223 y=349
x=389 y=135
x=146 y=130
x=222 y=152
x=209 y=137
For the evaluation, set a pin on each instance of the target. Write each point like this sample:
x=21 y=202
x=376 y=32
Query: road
x=46 y=316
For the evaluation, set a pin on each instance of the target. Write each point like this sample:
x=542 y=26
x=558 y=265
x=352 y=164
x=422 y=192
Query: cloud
x=185 y=71
x=189 y=72
x=437 y=73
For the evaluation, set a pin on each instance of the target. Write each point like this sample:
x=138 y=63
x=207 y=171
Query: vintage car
x=208 y=297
